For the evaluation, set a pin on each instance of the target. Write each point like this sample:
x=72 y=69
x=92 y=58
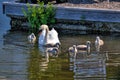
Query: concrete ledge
x=68 y=13
x=103 y=15
x=69 y=18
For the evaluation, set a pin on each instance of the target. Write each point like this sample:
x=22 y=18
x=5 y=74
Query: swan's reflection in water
x=20 y=60
x=51 y=51
x=46 y=53
x=88 y=66
x=42 y=65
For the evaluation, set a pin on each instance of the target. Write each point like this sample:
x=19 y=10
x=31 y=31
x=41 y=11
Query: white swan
x=32 y=38
x=48 y=38
x=98 y=43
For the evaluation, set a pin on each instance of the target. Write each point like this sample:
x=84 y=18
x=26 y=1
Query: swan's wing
x=52 y=37
x=55 y=35
x=54 y=31
x=42 y=38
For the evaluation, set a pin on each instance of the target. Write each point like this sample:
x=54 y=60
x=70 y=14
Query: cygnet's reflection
x=47 y=52
x=51 y=51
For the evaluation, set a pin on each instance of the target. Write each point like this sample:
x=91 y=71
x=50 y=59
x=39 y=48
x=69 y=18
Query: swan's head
x=43 y=27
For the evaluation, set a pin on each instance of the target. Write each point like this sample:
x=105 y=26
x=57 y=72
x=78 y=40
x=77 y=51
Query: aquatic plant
x=39 y=14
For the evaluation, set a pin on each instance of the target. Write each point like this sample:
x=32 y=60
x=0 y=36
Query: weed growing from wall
x=39 y=14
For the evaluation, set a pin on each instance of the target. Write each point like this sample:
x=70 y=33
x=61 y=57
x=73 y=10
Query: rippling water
x=21 y=61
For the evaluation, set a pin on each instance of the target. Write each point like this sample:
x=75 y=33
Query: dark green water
x=21 y=61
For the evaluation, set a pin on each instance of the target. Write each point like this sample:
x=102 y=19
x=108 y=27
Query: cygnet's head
x=57 y=45
x=88 y=43
x=97 y=37
x=74 y=46
x=32 y=35
x=32 y=38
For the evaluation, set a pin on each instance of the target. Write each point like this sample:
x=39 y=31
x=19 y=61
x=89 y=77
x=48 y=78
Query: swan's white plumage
x=48 y=37
x=52 y=37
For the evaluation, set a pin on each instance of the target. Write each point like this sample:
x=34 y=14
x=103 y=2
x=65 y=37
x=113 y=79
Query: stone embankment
x=75 y=18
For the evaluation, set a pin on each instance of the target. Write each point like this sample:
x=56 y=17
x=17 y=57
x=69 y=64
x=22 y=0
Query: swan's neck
x=46 y=34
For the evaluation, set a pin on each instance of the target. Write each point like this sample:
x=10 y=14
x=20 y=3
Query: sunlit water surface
x=19 y=60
